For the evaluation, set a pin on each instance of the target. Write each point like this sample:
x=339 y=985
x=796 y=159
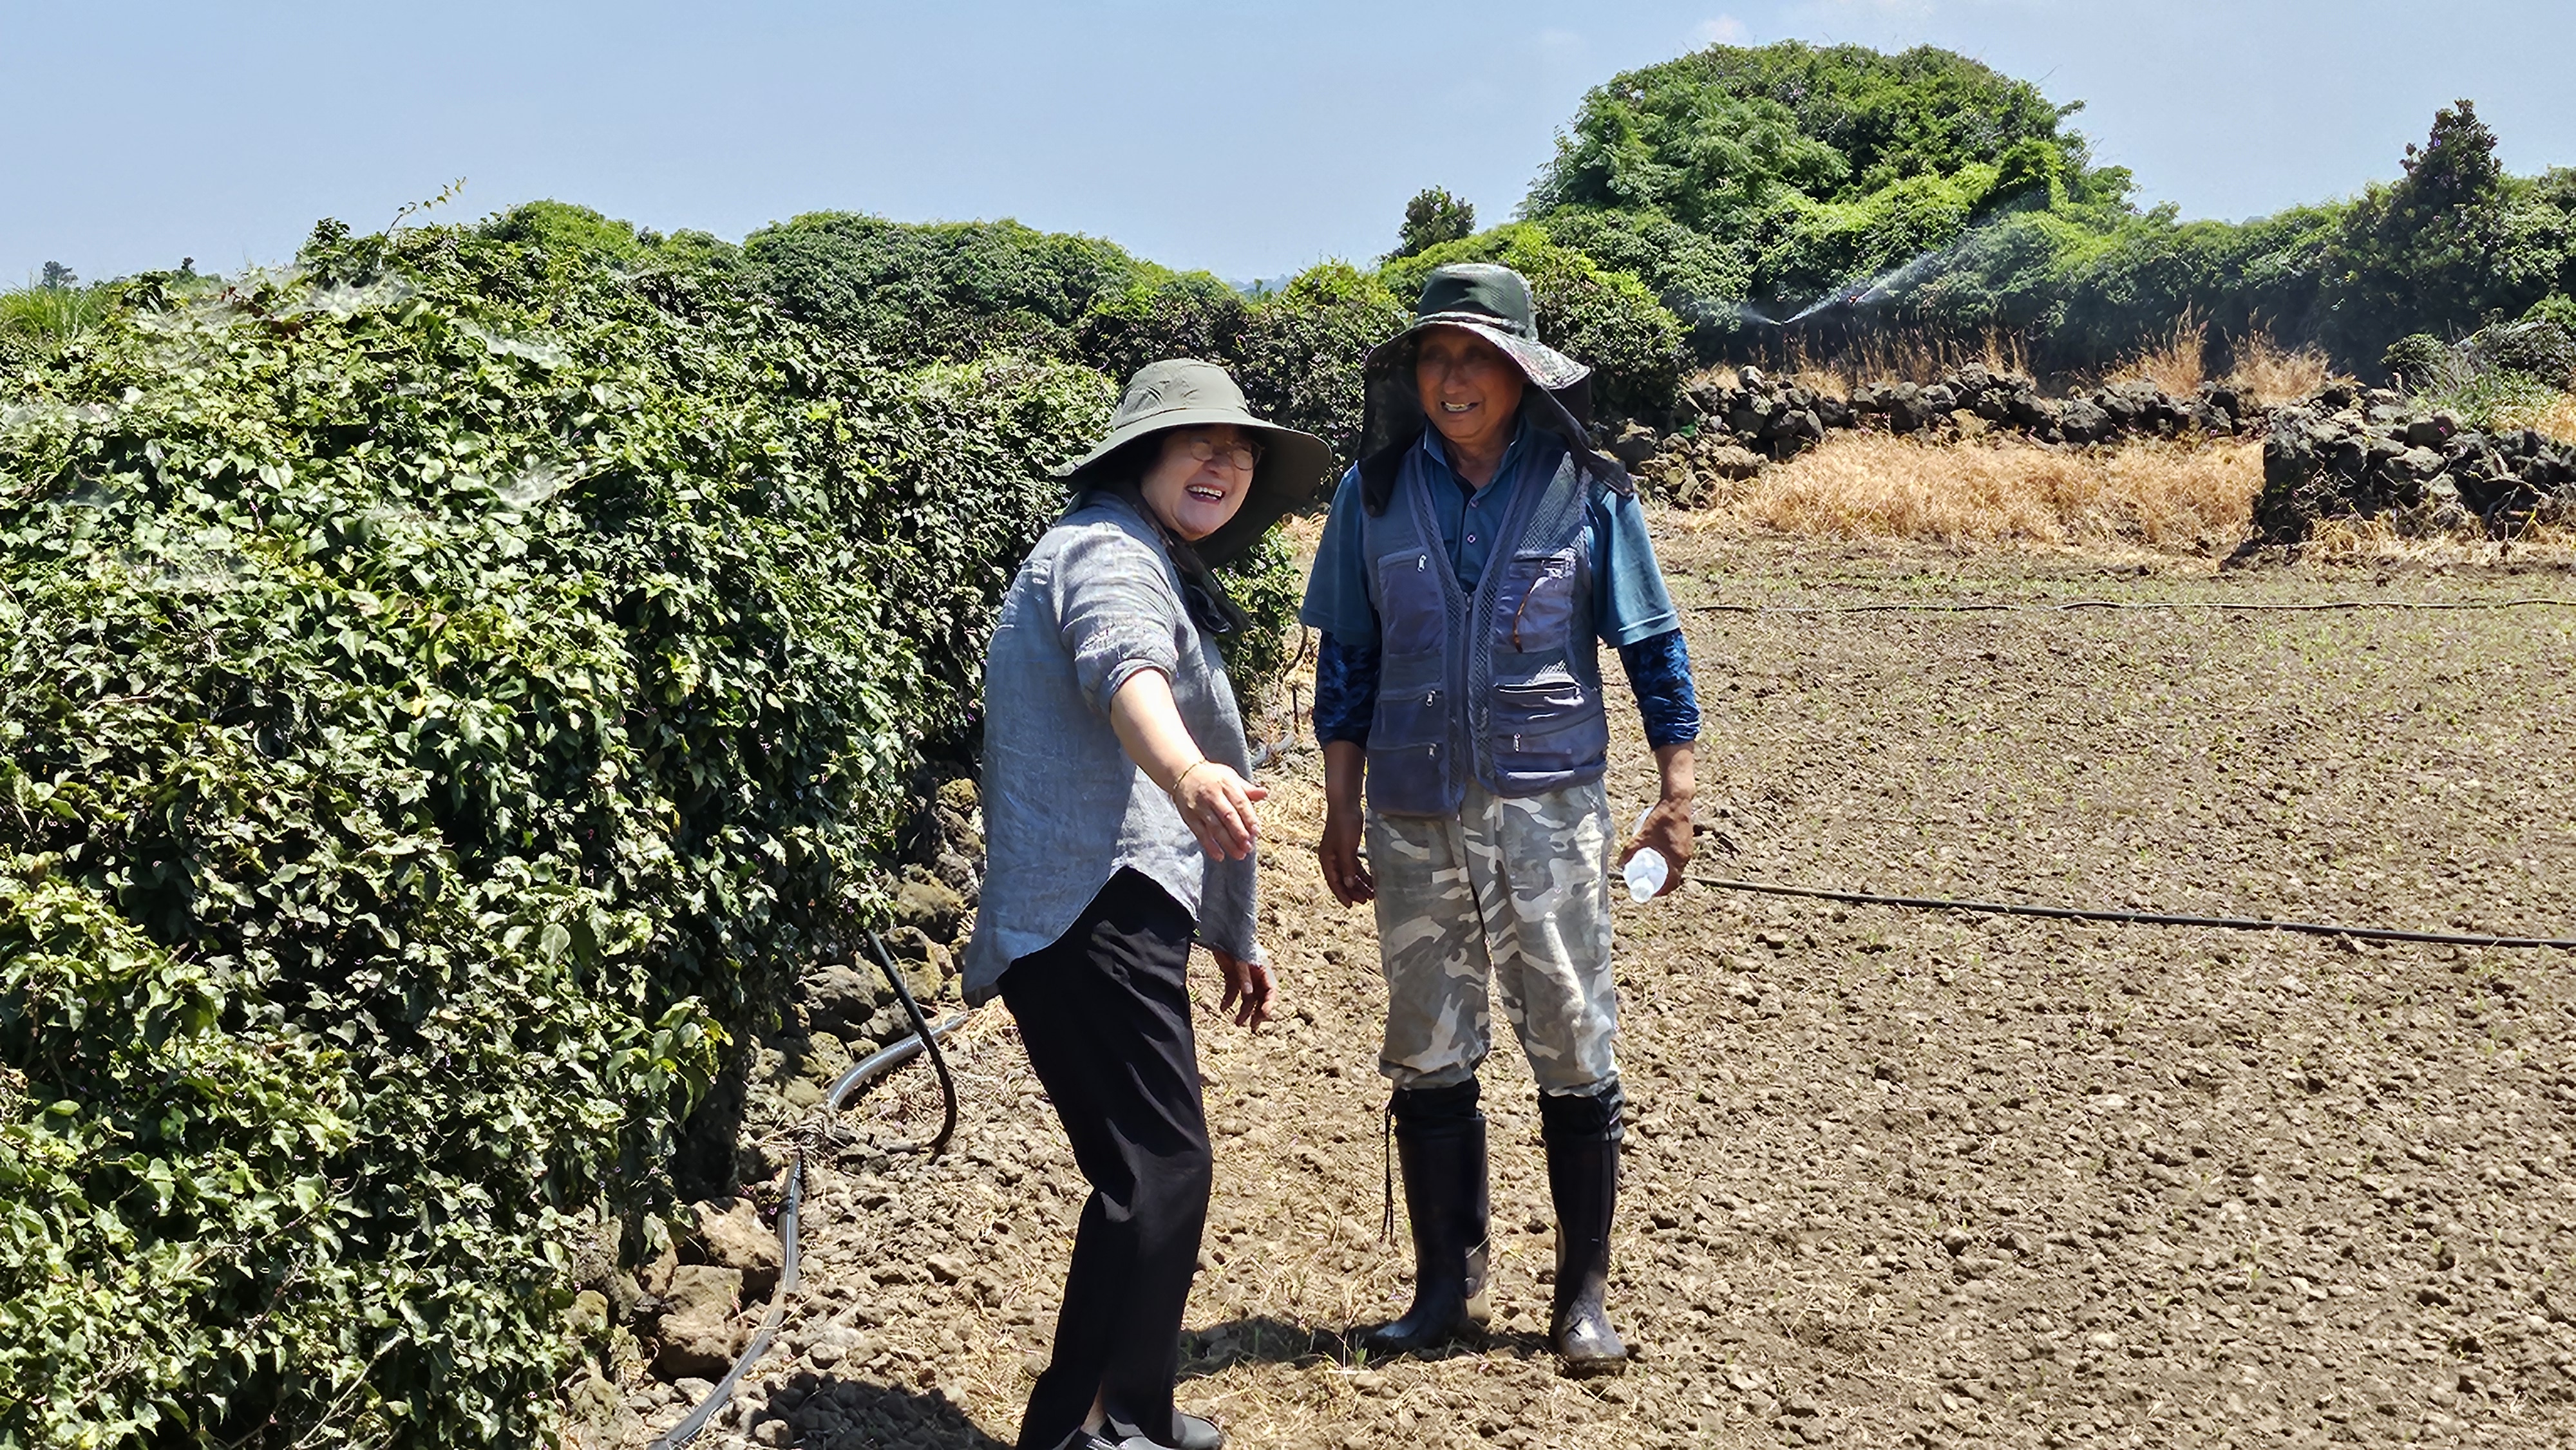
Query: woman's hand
x=1248 y=989
x=1216 y=804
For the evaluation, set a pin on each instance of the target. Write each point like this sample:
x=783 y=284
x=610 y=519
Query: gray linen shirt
x=1064 y=808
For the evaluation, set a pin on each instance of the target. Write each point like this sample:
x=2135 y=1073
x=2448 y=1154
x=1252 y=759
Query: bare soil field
x=1902 y=1178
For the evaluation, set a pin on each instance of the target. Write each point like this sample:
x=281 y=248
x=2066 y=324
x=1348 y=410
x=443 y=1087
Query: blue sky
x=1247 y=138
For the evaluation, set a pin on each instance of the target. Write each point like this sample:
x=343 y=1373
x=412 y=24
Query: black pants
x=1105 y=1016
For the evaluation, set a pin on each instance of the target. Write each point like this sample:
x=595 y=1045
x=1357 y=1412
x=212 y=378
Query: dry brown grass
x=2175 y=364
x=1900 y=357
x=1869 y=486
x=2272 y=374
x=2558 y=420
x=2377 y=541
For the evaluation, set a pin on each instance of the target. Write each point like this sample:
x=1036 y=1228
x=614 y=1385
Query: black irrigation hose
x=2074 y=605
x=921 y=1033
x=861 y=1073
x=2142 y=918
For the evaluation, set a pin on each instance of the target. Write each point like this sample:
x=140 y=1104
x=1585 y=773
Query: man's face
x=1471 y=392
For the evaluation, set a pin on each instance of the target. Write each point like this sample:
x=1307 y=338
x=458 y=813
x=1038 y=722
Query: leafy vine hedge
x=446 y=691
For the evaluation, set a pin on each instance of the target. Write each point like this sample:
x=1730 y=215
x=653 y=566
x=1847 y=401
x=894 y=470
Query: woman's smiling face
x=1199 y=480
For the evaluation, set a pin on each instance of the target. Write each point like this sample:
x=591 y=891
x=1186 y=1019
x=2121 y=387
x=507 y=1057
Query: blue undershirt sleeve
x=1345 y=690
x=1659 y=671
x=1337 y=599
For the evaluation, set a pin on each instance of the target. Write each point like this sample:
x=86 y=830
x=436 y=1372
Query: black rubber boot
x=1583 y=1135
x=1189 y=1432
x=1440 y=1140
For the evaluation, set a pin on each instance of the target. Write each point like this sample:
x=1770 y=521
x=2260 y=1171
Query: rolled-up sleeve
x=1115 y=605
x=1230 y=909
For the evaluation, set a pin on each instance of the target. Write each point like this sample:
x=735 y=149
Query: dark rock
x=1635 y=444
x=1907 y=411
x=2084 y=421
x=1834 y=412
x=839 y=996
x=928 y=904
x=698 y=1326
x=1939 y=399
x=730 y=1235
x=925 y=963
x=1728 y=461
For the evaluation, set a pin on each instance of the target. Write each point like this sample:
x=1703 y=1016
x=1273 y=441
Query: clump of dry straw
x=1872 y=486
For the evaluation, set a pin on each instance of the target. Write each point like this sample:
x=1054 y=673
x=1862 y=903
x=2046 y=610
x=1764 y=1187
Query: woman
x=1119 y=827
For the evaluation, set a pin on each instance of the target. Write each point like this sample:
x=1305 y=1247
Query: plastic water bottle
x=1647 y=871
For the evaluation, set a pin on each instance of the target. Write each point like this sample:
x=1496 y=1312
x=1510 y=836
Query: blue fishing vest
x=1502 y=686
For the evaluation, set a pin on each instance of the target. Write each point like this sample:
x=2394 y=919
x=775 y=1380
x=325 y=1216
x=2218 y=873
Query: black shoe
x=1440 y=1140
x=1583 y=1177
x=1105 y=1438
x=1189 y=1432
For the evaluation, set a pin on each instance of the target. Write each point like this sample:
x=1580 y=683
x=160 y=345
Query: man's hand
x=1248 y=991
x=1346 y=873
x=1668 y=825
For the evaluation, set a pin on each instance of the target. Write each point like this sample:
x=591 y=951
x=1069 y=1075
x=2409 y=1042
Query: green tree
x=1432 y=217
x=2452 y=244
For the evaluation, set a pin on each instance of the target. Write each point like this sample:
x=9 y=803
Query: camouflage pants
x=1514 y=890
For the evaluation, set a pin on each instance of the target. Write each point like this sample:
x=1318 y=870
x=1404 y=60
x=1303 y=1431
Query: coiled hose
x=924 y=1038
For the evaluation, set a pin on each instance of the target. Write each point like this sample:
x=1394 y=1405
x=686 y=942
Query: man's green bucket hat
x=1493 y=302
x=1187 y=393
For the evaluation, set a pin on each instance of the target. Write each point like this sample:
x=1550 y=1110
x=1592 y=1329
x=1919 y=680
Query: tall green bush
x=1604 y=318
x=939 y=292
x=1299 y=352
x=446 y=691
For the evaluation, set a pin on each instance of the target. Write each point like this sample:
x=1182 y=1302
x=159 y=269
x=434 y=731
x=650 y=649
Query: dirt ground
x=1901 y=1178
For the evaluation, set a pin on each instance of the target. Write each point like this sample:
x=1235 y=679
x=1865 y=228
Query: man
x=1464 y=580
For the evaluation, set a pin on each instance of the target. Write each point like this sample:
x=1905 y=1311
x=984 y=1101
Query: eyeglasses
x=1244 y=456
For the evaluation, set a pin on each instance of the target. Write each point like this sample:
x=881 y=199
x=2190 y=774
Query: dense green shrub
x=1714 y=138
x=2426 y=363
x=1931 y=194
x=1161 y=315
x=446 y=691
x=1597 y=316
x=2499 y=373
x=564 y=226
x=940 y=292
x=1298 y=355
x=1702 y=281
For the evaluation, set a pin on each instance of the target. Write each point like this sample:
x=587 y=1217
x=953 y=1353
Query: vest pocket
x=1534 y=608
x=1546 y=726
x=1408 y=736
x=1408 y=717
x=1413 y=611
